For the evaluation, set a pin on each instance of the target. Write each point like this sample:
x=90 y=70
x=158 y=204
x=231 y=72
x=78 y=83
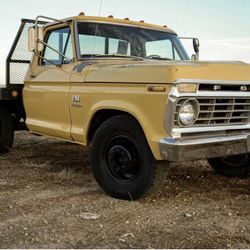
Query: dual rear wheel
x=6 y=130
x=232 y=166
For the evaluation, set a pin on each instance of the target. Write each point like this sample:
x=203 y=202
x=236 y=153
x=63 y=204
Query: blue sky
x=223 y=26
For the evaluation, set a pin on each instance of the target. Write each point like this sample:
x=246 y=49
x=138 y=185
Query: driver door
x=46 y=91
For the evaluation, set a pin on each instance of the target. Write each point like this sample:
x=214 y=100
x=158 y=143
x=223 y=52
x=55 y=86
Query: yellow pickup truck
x=130 y=91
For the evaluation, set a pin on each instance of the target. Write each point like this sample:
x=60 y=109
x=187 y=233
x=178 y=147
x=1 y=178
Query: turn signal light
x=187 y=87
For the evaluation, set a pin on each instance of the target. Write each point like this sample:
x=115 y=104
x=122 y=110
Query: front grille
x=218 y=111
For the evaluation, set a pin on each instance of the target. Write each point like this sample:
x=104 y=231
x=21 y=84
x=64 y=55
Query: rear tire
x=6 y=130
x=121 y=159
x=232 y=166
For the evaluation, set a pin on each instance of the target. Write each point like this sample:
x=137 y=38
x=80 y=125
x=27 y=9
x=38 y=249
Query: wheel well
x=100 y=117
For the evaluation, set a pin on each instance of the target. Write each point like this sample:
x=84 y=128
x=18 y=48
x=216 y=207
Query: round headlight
x=188 y=112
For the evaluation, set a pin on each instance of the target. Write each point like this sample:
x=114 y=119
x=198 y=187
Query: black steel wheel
x=6 y=130
x=232 y=166
x=121 y=159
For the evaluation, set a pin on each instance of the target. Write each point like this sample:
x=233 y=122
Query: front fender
x=152 y=135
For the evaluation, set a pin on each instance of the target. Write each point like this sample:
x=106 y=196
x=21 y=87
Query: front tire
x=121 y=159
x=6 y=130
x=232 y=166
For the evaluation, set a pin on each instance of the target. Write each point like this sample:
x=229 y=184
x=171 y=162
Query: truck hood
x=152 y=71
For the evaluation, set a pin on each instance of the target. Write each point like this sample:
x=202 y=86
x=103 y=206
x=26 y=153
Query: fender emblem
x=76 y=99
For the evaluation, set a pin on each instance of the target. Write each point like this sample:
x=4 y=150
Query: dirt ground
x=49 y=199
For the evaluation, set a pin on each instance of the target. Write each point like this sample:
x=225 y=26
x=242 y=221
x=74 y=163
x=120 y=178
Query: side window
x=58 y=40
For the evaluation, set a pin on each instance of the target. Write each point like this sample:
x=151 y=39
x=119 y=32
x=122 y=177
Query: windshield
x=100 y=40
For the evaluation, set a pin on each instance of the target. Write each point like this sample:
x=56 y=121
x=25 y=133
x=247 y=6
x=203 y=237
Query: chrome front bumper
x=182 y=149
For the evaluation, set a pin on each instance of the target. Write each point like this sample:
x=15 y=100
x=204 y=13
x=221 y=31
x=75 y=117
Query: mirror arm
x=197 y=52
x=48 y=18
x=197 y=56
x=37 y=40
x=45 y=44
x=38 y=55
x=58 y=52
x=36 y=26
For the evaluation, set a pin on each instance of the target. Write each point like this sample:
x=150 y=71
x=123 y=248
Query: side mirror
x=35 y=38
x=196 y=45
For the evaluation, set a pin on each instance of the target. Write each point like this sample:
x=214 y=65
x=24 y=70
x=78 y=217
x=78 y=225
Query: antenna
x=100 y=8
x=99 y=13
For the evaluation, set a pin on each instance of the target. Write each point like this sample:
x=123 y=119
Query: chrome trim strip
x=191 y=142
x=202 y=81
x=210 y=128
x=223 y=94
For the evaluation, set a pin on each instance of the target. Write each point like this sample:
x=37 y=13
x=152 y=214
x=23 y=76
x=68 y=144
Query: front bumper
x=182 y=149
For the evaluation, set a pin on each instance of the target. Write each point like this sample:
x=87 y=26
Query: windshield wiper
x=112 y=55
x=156 y=57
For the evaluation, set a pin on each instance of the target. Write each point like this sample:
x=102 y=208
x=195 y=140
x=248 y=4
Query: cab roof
x=112 y=20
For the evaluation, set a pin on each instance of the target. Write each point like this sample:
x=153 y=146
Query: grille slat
x=219 y=111
x=222 y=111
x=225 y=110
x=223 y=118
x=221 y=104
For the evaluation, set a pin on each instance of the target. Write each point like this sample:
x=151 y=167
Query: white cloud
x=226 y=49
